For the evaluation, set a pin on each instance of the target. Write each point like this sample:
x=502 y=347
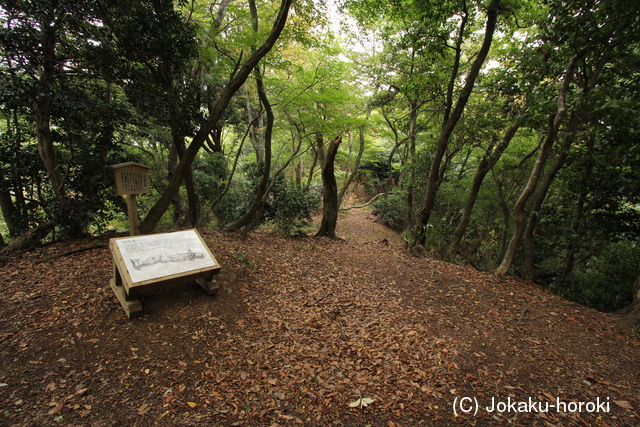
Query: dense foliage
x=503 y=133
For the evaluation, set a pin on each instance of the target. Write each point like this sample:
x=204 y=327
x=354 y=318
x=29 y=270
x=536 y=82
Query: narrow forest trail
x=304 y=332
x=358 y=226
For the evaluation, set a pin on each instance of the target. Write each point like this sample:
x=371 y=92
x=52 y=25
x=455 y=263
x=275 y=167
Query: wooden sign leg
x=209 y=285
x=132 y=306
x=132 y=210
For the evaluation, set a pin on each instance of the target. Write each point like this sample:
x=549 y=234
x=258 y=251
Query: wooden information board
x=131 y=178
x=145 y=263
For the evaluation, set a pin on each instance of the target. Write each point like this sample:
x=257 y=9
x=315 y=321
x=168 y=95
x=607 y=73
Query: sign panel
x=160 y=255
x=131 y=178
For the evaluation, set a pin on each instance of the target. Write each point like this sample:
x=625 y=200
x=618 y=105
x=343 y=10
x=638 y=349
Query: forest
x=500 y=134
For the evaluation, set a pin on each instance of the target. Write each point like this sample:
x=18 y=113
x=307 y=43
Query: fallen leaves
x=318 y=332
x=362 y=402
x=143 y=409
x=623 y=404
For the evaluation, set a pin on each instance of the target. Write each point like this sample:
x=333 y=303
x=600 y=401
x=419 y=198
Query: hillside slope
x=301 y=329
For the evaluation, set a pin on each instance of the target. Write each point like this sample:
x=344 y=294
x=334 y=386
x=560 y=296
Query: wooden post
x=132 y=211
x=131 y=179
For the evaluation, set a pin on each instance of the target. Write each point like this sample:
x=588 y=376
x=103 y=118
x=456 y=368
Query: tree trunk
x=528 y=264
x=178 y=203
x=633 y=311
x=8 y=212
x=7 y=207
x=486 y=164
x=505 y=211
x=312 y=169
x=285 y=165
x=409 y=217
x=253 y=216
x=256 y=141
x=582 y=209
x=518 y=211
x=157 y=210
x=258 y=203
x=346 y=184
x=452 y=120
x=330 y=204
x=43 y=113
x=192 y=215
x=30 y=239
x=299 y=172
x=263 y=148
x=389 y=180
x=453 y=76
x=554 y=122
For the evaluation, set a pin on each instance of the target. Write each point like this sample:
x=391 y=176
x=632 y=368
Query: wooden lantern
x=131 y=178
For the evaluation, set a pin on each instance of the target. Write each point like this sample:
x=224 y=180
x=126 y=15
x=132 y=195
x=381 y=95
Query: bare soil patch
x=300 y=329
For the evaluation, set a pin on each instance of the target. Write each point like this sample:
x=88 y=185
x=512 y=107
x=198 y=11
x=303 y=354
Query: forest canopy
x=499 y=133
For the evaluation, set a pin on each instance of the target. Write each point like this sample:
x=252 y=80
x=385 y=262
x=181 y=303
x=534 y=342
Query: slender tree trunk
x=388 y=182
x=409 y=216
x=254 y=137
x=505 y=211
x=582 y=209
x=233 y=170
x=528 y=264
x=285 y=165
x=299 y=172
x=157 y=210
x=8 y=212
x=519 y=213
x=633 y=311
x=453 y=76
x=43 y=113
x=486 y=164
x=178 y=203
x=452 y=120
x=312 y=169
x=349 y=179
x=253 y=216
x=258 y=203
x=192 y=217
x=330 y=204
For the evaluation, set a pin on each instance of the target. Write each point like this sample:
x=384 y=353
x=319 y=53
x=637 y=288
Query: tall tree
x=330 y=202
x=352 y=175
x=487 y=163
x=66 y=64
x=594 y=34
x=254 y=213
x=554 y=122
x=235 y=83
x=453 y=118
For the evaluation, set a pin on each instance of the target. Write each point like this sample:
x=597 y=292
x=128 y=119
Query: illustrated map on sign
x=161 y=255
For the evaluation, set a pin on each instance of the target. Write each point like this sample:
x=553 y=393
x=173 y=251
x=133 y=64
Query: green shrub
x=232 y=205
x=605 y=282
x=290 y=208
x=396 y=207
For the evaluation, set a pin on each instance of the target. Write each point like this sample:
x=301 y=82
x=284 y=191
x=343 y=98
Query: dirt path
x=358 y=226
x=305 y=331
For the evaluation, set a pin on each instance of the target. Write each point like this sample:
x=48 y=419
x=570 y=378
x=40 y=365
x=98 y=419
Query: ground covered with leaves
x=306 y=332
